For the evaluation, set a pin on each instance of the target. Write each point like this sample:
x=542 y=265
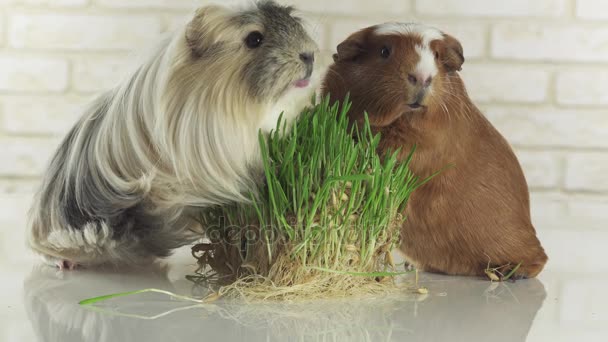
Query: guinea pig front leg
x=61 y=264
x=66 y=265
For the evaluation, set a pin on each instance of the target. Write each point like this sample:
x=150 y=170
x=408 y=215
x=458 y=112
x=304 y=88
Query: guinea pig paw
x=66 y=265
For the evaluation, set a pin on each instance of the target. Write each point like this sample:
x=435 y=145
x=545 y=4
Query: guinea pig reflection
x=454 y=309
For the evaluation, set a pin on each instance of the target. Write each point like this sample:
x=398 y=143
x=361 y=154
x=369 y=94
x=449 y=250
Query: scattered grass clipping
x=501 y=273
x=322 y=224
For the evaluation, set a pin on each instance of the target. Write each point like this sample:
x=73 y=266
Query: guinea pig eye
x=254 y=39
x=385 y=52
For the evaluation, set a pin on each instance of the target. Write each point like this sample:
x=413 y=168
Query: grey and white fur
x=179 y=134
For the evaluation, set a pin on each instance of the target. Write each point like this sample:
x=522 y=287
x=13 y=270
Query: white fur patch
x=289 y=105
x=426 y=65
x=90 y=237
x=295 y=100
x=427 y=33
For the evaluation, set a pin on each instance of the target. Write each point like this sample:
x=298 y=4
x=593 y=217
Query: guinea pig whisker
x=466 y=110
x=446 y=99
x=445 y=109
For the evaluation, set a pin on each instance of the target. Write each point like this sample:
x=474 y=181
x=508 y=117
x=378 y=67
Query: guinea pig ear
x=351 y=48
x=449 y=53
x=199 y=31
x=348 y=50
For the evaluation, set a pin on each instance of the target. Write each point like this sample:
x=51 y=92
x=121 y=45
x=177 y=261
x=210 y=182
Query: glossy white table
x=41 y=303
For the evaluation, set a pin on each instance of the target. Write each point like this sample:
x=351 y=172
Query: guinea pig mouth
x=302 y=83
x=415 y=106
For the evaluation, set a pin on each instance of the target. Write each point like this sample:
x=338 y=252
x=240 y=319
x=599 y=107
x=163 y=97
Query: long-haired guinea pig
x=405 y=76
x=179 y=133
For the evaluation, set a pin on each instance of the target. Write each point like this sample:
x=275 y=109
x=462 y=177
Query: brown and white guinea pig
x=477 y=212
x=180 y=133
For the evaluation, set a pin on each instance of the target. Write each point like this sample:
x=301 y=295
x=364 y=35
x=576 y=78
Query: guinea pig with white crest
x=474 y=214
x=180 y=133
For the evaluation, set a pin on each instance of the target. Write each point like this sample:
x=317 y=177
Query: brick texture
x=587 y=171
x=96 y=74
x=82 y=32
x=33 y=74
x=551 y=42
x=354 y=8
x=582 y=87
x=40 y=114
x=542 y=169
x=592 y=9
x=489 y=83
x=155 y=4
x=25 y=156
x=483 y=8
x=2 y=23
x=551 y=128
x=46 y=3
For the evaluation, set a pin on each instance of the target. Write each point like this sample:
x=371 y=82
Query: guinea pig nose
x=307 y=57
x=420 y=80
x=428 y=81
x=412 y=79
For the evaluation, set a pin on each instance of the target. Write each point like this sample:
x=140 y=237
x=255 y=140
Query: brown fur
x=474 y=213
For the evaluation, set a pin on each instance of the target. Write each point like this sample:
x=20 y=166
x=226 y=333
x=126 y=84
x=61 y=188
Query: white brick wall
x=354 y=8
x=46 y=3
x=506 y=83
x=82 y=32
x=592 y=9
x=587 y=171
x=24 y=156
x=40 y=115
x=155 y=4
x=484 y=8
x=582 y=87
x=543 y=169
x=96 y=74
x=538 y=69
x=551 y=128
x=550 y=42
x=33 y=74
x=1 y=29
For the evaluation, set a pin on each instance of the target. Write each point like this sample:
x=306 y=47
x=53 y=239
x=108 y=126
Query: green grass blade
x=94 y=300
x=510 y=274
x=326 y=191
